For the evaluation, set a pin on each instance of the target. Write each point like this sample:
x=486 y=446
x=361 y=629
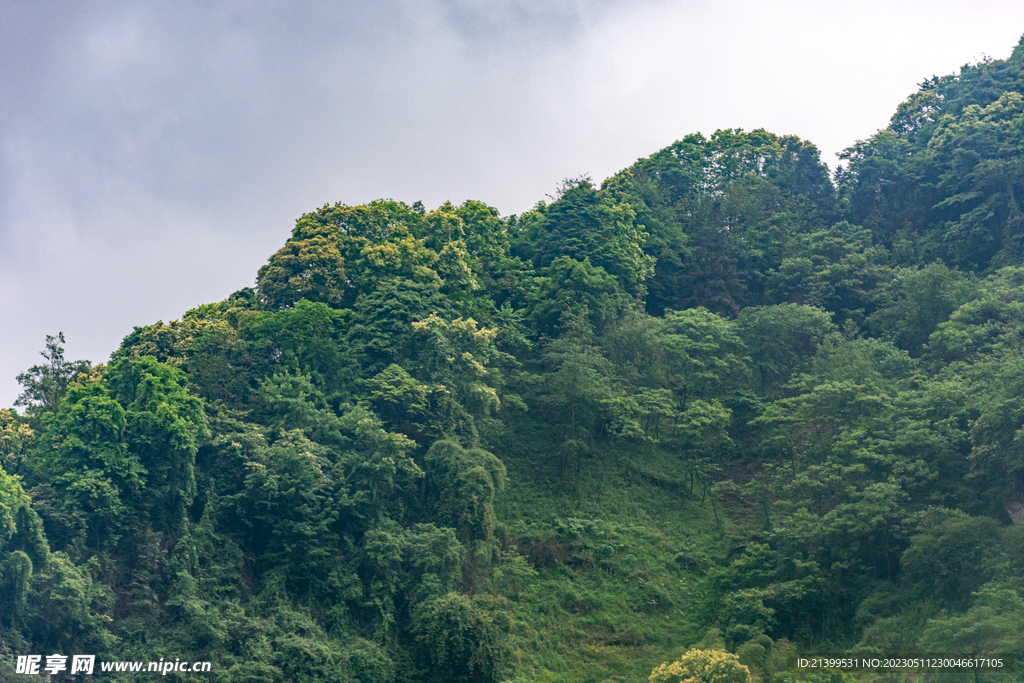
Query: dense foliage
x=724 y=401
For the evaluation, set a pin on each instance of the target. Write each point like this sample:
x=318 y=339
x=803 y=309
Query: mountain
x=720 y=402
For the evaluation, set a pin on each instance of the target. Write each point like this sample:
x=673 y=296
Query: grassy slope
x=619 y=572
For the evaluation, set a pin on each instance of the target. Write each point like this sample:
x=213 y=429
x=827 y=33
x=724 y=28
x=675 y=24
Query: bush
x=463 y=640
x=702 y=666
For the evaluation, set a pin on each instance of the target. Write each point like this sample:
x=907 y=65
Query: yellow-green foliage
x=702 y=666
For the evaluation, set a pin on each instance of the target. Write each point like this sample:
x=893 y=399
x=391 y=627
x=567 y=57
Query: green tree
x=723 y=212
x=164 y=425
x=575 y=388
x=381 y=332
x=23 y=551
x=780 y=341
x=93 y=487
x=702 y=354
x=586 y=223
x=400 y=400
x=290 y=510
x=993 y=625
x=311 y=269
x=702 y=666
x=916 y=302
x=401 y=569
x=462 y=485
x=67 y=610
x=463 y=639
x=838 y=269
x=308 y=338
x=949 y=558
x=568 y=286
x=16 y=439
x=45 y=385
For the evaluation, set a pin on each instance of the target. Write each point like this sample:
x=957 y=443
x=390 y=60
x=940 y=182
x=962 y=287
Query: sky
x=154 y=154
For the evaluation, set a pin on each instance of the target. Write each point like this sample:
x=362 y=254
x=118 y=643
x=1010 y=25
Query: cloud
x=153 y=155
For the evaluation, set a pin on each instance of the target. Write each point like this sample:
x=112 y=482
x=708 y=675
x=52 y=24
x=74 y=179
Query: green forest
x=724 y=406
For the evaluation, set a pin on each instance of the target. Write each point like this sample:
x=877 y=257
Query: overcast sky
x=154 y=154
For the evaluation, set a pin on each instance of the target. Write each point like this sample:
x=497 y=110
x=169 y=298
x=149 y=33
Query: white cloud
x=155 y=154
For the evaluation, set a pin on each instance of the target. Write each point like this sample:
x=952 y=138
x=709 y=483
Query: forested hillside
x=722 y=399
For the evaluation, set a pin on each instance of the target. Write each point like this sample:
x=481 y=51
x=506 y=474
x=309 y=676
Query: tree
x=702 y=354
x=702 y=666
x=308 y=338
x=577 y=383
x=401 y=569
x=21 y=541
x=916 y=302
x=463 y=639
x=311 y=269
x=291 y=503
x=567 y=286
x=381 y=332
x=461 y=367
x=723 y=212
x=997 y=453
x=375 y=465
x=585 y=223
x=400 y=400
x=993 y=625
x=91 y=497
x=205 y=344
x=67 y=610
x=950 y=557
x=164 y=425
x=837 y=269
x=16 y=439
x=285 y=402
x=462 y=485
x=45 y=385
x=780 y=341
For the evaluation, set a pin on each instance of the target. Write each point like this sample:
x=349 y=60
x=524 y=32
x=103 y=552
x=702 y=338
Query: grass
x=609 y=579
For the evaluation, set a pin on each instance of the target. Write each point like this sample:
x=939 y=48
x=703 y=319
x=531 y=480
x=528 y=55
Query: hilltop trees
x=46 y=384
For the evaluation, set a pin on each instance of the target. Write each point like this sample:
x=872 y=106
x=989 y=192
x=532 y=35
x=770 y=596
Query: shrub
x=702 y=666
